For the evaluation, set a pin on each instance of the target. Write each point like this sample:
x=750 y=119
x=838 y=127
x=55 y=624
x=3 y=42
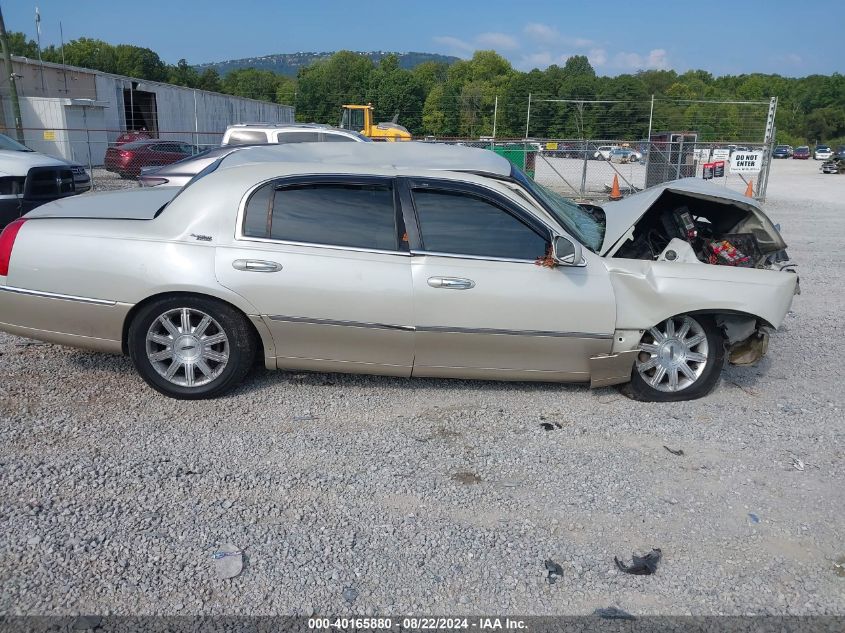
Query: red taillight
x=124 y=153
x=7 y=241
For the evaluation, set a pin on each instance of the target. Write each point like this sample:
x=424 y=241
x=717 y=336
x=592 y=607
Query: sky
x=771 y=36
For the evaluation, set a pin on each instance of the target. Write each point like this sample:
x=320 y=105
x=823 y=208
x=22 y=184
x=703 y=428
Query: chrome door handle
x=452 y=283
x=256 y=266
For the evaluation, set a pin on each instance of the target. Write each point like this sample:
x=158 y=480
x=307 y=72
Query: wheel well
x=124 y=337
x=734 y=316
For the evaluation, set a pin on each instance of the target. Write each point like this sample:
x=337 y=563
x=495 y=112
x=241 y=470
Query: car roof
x=276 y=126
x=358 y=158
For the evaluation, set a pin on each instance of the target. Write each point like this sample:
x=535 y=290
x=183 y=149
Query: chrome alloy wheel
x=673 y=354
x=187 y=347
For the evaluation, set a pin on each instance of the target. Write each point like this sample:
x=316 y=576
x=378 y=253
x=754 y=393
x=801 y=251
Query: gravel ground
x=355 y=494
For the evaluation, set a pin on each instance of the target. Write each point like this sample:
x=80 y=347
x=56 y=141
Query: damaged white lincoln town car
x=402 y=259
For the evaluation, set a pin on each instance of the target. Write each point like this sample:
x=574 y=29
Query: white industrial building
x=76 y=113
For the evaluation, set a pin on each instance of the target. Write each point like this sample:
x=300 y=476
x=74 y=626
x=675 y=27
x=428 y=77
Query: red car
x=132 y=135
x=801 y=153
x=128 y=159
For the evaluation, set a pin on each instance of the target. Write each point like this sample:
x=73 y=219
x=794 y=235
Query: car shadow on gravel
x=261 y=378
x=747 y=377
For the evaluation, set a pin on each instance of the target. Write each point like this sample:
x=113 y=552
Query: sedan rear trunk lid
x=137 y=204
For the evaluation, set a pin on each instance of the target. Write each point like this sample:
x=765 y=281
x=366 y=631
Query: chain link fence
x=586 y=169
x=576 y=147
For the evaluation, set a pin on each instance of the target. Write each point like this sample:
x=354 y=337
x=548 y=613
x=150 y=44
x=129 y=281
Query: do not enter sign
x=746 y=162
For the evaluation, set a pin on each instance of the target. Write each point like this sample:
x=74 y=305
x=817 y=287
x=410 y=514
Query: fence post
x=88 y=144
x=584 y=172
x=495 y=113
x=196 y=121
x=768 y=142
x=528 y=116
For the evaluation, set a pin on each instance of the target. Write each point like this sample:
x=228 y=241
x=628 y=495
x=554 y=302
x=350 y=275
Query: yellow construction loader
x=359 y=118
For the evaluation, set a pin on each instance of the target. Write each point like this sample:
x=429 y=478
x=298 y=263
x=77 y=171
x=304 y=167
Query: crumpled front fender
x=649 y=292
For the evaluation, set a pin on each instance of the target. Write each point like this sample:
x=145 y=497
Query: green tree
x=396 y=92
x=20 y=45
x=209 y=79
x=183 y=74
x=326 y=85
x=136 y=61
x=251 y=83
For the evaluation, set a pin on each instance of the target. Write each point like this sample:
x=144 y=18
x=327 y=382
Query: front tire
x=680 y=359
x=191 y=347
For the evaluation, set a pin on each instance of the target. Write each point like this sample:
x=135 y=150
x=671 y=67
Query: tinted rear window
x=297 y=137
x=360 y=216
x=338 y=138
x=247 y=137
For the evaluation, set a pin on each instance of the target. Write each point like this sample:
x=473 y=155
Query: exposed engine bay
x=686 y=228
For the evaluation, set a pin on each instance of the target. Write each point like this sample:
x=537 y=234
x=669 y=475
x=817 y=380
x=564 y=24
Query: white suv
x=603 y=152
x=270 y=133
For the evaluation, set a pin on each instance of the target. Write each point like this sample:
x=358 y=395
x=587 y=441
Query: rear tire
x=681 y=359
x=191 y=348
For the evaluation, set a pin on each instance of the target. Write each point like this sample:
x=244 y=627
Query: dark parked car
x=128 y=159
x=801 y=153
x=179 y=173
x=833 y=166
x=839 y=153
x=782 y=151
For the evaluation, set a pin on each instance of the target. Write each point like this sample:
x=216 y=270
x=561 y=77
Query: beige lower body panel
x=612 y=369
x=343 y=367
x=506 y=356
x=348 y=345
x=487 y=373
x=87 y=325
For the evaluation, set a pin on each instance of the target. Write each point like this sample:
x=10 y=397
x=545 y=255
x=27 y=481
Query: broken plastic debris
x=797 y=464
x=612 y=613
x=641 y=565
x=754 y=518
x=678 y=452
x=555 y=571
x=350 y=594
x=550 y=426
x=228 y=561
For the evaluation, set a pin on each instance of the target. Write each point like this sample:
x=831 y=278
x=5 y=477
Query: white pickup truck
x=29 y=179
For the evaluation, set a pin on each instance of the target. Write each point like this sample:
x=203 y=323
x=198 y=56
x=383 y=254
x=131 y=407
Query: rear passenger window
x=247 y=137
x=359 y=216
x=338 y=138
x=297 y=137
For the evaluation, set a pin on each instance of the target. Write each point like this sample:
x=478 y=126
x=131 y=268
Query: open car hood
x=122 y=204
x=621 y=216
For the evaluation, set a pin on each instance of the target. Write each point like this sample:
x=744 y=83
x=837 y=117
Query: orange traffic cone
x=614 y=192
x=749 y=190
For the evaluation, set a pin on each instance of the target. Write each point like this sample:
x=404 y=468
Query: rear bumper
x=82 y=322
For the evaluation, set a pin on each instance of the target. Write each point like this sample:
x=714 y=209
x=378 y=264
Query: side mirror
x=567 y=252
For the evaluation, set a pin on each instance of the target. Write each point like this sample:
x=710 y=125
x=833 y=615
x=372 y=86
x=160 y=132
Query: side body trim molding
x=439 y=329
x=55 y=295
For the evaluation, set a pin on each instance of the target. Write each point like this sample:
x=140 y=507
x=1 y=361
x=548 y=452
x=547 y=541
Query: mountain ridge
x=290 y=63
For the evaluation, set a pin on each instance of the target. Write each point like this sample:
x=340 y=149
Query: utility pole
x=10 y=73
